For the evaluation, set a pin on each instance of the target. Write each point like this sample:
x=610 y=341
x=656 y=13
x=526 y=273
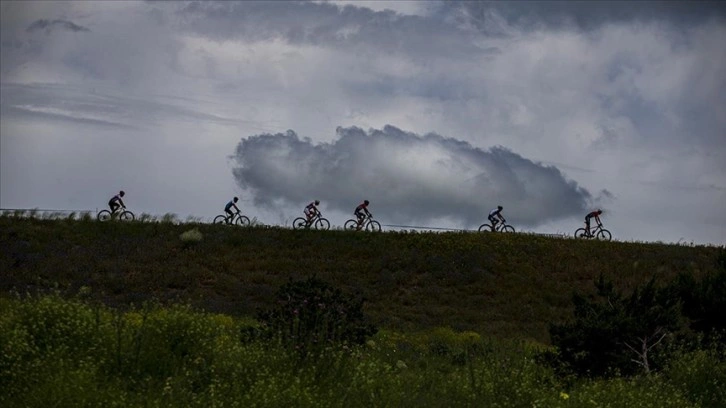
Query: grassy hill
x=504 y=286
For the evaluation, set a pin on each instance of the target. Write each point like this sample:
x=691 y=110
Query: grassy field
x=500 y=286
x=155 y=314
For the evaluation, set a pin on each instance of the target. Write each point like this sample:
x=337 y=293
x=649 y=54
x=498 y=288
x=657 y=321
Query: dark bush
x=311 y=315
x=704 y=300
x=616 y=334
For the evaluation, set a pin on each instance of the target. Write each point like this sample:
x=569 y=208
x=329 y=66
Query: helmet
x=317 y=202
x=500 y=207
x=236 y=199
x=599 y=211
x=366 y=202
x=121 y=193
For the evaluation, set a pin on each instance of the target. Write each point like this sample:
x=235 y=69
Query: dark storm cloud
x=49 y=25
x=327 y=24
x=406 y=177
x=493 y=17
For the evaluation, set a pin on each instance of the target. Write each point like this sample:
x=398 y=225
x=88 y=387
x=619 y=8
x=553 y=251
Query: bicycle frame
x=235 y=218
x=500 y=225
x=118 y=211
x=314 y=218
x=594 y=230
x=364 y=223
x=231 y=219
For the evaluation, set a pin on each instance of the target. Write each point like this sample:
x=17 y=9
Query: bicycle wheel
x=485 y=228
x=351 y=225
x=220 y=219
x=299 y=223
x=507 y=228
x=373 y=226
x=243 y=221
x=104 y=215
x=322 y=224
x=580 y=233
x=604 y=235
x=126 y=216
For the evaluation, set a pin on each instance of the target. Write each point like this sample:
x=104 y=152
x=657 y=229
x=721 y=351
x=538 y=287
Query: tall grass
x=59 y=352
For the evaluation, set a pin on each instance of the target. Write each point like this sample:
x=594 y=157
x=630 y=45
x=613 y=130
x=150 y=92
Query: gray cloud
x=327 y=24
x=406 y=177
x=496 y=17
x=39 y=113
x=49 y=25
x=61 y=102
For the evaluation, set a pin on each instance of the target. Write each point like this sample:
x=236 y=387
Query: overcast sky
x=436 y=112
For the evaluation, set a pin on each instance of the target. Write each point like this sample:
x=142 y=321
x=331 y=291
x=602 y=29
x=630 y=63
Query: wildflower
x=564 y=395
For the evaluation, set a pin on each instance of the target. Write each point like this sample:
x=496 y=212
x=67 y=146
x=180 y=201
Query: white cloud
x=410 y=178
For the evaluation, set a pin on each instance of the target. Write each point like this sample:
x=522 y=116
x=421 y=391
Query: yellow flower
x=564 y=395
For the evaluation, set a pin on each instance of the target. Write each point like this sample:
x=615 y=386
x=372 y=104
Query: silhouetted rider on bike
x=596 y=215
x=311 y=210
x=228 y=209
x=495 y=215
x=115 y=202
x=361 y=211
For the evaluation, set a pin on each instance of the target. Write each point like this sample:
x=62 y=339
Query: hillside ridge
x=500 y=285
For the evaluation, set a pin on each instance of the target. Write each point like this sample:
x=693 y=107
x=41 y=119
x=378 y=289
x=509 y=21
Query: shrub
x=612 y=333
x=191 y=236
x=700 y=375
x=704 y=300
x=169 y=218
x=311 y=314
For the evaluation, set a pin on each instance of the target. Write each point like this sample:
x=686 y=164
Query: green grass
x=162 y=315
x=58 y=352
x=497 y=285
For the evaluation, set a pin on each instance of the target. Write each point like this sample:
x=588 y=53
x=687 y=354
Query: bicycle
x=317 y=222
x=238 y=219
x=120 y=213
x=368 y=222
x=597 y=232
x=500 y=227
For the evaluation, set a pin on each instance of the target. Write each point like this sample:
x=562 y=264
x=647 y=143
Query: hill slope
x=499 y=285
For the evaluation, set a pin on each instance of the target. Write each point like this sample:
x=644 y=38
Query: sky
x=436 y=112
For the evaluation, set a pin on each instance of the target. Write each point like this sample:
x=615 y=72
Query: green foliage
x=169 y=218
x=56 y=352
x=704 y=299
x=612 y=333
x=700 y=375
x=311 y=315
x=191 y=237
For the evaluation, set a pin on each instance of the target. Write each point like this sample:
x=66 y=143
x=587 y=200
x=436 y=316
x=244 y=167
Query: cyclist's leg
x=493 y=221
x=360 y=218
x=587 y=226
x=230 y=215
x=114 y=206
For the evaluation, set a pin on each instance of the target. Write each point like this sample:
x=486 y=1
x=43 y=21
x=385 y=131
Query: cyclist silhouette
x=495 y=215
x=116 y=202
x=228 y=209
x=595 y=214
x=311 y=210
x=361 y=211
